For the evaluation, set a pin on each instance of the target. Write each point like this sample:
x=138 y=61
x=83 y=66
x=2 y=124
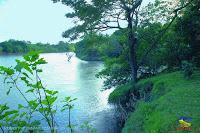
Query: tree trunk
x=132 y=41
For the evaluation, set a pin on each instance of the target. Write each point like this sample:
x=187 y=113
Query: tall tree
x=101 y=15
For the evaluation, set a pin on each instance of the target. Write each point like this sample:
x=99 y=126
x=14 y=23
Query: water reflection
x=77 y=79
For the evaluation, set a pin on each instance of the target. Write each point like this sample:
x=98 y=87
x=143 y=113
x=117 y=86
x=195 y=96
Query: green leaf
x=31 y=56
x=63 y=109
x=22 y=123
x=8 y=92
x=30 y=90
x=39 y=70
x=18 y=67
x=8 y=71
x=39 y=84
x=44 y=102
x=35 y=123
x=3 y=107
x=25 y=80
x=25 y=74
x=23 y=114
x=20 y=106
x=33 y=104
x=14 y=117
x=67 y=98
x=10 y=112
x=27 y=57
x=41 y=61
x=51 y=92
x=51 y=99
x=74 y=99
x=43 y=109
x=24 y=65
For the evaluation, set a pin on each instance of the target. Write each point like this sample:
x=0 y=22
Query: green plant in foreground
x=42 y=101
x=88 y=127
x=68 y=106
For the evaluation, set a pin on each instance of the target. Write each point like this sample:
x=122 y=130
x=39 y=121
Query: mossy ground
x=120 y=92
x=172 y=97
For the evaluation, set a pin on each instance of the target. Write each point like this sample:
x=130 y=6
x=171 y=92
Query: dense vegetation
x=156 y=104
x=170 y=46
x=152 y=62
x=172 y=96
x=96 y=47
x=14 y=46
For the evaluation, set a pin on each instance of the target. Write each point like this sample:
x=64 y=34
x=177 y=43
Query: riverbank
x=89 y=56
x=15 y=46
x=156 y=104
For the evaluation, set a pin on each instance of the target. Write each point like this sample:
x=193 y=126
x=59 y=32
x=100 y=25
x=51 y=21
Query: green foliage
x=14 y=46
x=68 y=103
x=146 y=40
x=175 y=97
x=95 y=46
x=136 y=123
x=159 y=90
x=87 y=49
x=71 y=47
x=162 y=122
x=187 y=69
x=116 y=66
x=187 y=28
x=120 y=93
x=68 y=106
x=116 y=71
x=28 y=71
x=87 y=127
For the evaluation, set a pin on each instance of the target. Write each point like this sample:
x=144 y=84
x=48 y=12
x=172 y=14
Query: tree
x=187 y=28
x=101 y=15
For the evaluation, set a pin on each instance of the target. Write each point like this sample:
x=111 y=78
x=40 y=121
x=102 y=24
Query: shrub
x=28 y=71
x=187 y=69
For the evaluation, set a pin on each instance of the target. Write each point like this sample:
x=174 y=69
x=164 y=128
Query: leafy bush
x=95 y=46
x=116 y=72
x=187 y=69
x=43 y=103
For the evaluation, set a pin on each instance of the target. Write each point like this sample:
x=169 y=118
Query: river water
x=77 y=79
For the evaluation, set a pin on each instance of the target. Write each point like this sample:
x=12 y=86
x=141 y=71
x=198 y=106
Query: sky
x=34 y=20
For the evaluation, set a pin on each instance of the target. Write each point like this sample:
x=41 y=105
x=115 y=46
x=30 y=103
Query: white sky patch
x=34 y=20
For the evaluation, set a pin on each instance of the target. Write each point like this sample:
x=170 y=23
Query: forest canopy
x=15 y=46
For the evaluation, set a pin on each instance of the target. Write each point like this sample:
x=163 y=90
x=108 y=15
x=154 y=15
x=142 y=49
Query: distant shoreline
x=27 y=52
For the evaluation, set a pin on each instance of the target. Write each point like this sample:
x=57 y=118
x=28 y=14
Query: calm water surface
x=77 y=79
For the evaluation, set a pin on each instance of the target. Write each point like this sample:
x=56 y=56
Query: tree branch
x=163 y=32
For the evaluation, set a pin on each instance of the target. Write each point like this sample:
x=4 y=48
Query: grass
x=171 y=98
x=120 y=93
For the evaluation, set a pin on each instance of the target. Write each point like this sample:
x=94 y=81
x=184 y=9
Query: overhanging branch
x=162 y=33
